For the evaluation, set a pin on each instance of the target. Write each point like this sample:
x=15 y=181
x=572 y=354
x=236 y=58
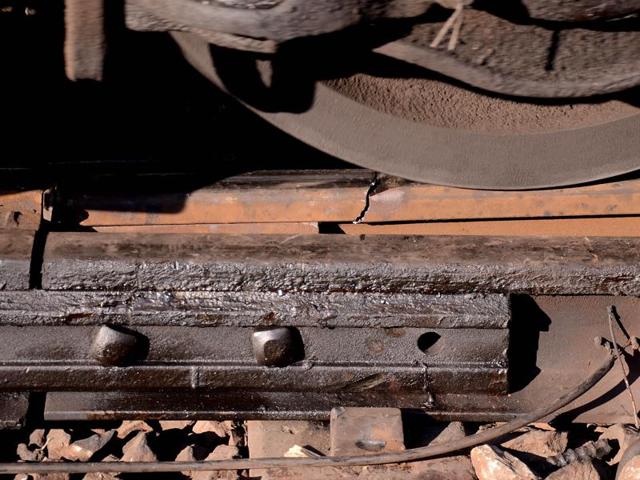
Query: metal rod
x=396 y=457
x=625 y=377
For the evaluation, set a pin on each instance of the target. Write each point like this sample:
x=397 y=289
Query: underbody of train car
x=484 y=94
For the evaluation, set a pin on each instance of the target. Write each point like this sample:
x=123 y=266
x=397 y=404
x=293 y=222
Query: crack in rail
x=375 y=181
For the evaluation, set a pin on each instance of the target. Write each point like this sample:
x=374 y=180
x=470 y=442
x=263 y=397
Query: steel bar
x=547 y=341
x=622 y=226
x=394 y=457
x=377 y=316
x=328 y=196
x=397 y=200
x=258 y=197
x=335 y=263
x=253 y=309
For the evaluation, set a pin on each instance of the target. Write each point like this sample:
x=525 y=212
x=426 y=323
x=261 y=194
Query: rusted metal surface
x=229 y=228
x=21 y=209
x=272 y=439
x=288 y=202
x=370 y=331
x=72 y=405
x=551 y=348
x=15 y=258
x=573 y=227
x=334 y=263
x=429 y=323
x=294 y=202
x=259 y=197
x=358 y=431
x=85 y=45
x=396 y=200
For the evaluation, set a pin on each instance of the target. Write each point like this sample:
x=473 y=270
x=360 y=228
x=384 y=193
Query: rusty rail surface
x=303 y=201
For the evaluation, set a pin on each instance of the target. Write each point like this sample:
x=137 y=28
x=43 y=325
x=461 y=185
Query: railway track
x=186 y=292
x=237 y=300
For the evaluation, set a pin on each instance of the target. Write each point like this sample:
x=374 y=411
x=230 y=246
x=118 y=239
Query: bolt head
x=276 y=347
x=113 y=347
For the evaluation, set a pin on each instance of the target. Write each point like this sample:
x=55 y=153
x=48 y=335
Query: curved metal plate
x=369 y=138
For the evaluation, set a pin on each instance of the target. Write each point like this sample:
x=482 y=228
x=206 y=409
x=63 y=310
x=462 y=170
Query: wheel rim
x=373 y=139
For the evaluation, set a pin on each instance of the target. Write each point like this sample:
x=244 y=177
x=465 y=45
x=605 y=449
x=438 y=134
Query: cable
x=253 y=463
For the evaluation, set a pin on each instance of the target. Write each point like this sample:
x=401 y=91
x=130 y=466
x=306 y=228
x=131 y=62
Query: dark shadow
x=528 y=320
x=618 y=320
x=152 y=115
x=420 y=429
x=285 y=81
x=270 y=85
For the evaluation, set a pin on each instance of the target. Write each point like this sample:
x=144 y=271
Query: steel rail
x=262 y=463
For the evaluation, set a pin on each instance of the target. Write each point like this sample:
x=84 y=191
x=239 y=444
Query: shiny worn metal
x=385 y=322
x=277 y=347
x=340 y=264
x=111 y=347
